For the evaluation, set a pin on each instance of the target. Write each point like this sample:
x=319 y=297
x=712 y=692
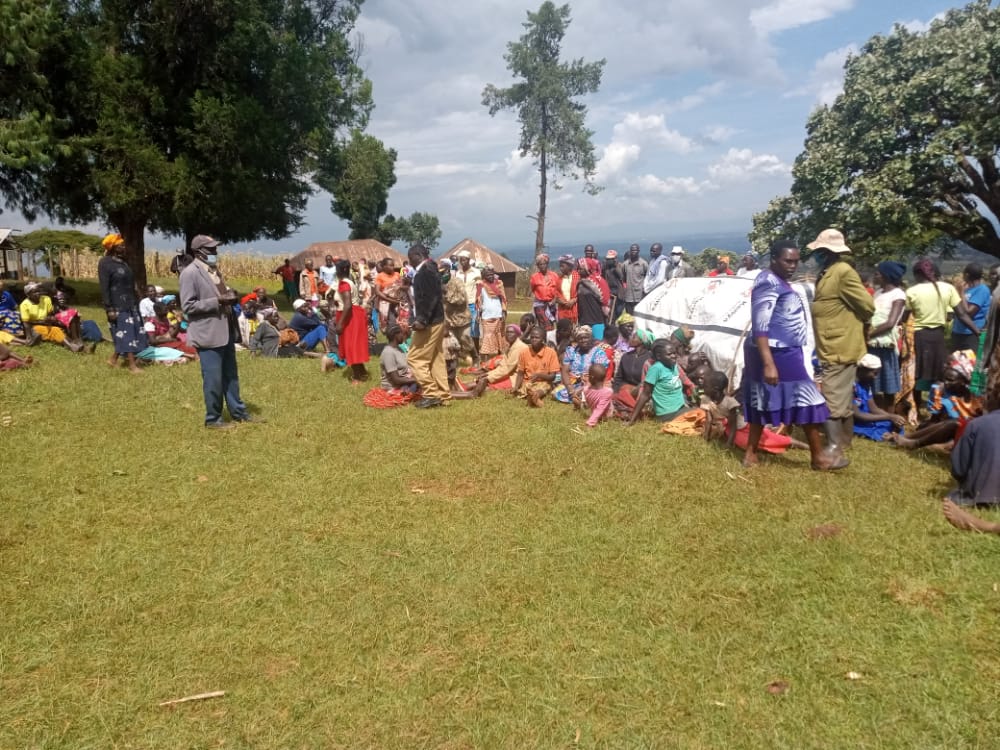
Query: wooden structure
x=506 y=269
x=352 y=250
x=11 y=264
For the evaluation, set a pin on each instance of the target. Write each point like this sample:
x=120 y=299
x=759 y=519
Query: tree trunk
x=540 y=219
x=133 y=229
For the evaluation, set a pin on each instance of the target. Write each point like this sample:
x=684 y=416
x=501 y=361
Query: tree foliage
x=907 y=156
x=59 y=239
x=184 y=117
x=553 y=128
x=419 y=227
x=359 y=176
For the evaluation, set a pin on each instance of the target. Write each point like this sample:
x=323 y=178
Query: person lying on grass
x=11 y=361
x=537 y=369
x=665 y=385
x=870 y=420
x=950 y=406
x=597 y=395
x=974 y=465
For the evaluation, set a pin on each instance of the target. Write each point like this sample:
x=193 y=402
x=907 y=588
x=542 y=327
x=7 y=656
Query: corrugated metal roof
x=353 y=250
x=480 y=252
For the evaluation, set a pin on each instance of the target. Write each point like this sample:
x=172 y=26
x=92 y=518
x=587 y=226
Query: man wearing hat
x=841 y=309
x=208 y=304
x=470 y=276
x=679 y=268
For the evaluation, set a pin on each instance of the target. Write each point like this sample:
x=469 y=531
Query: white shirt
x=328 y=275
x=146 y=308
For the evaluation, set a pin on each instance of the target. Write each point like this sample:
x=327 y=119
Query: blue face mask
x=212 y=259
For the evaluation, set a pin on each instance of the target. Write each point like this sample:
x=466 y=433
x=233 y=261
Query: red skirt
x=353 y=344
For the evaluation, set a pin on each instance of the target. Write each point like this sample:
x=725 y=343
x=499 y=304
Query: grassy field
x=477 y=576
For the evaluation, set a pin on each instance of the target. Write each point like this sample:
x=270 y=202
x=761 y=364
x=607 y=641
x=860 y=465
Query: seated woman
x=398 y=386
x=176 y=316
x=308 y=325
x=77 y=327
x=161 y=332
x=870 y=420
x=537 y=369
x=38 y=314
x=501 y=370
x=950 y=405
x=626 y=327
x=266 y=340
x=576 y=363
x=10 y=318
x=665 y=385
x=11 y=361
x=974 y=465
x=631 y=372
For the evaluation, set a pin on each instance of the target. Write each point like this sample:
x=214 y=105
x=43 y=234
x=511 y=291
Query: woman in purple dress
x=777 y=388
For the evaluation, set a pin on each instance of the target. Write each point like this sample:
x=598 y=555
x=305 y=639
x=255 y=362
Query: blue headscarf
x=892 y=271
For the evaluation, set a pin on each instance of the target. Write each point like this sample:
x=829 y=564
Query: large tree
x=907 y=156
x=418 y=228
x=359 y=177
x=553 y=129
x=190 y=117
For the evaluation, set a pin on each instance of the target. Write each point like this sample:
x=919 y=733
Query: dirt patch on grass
x=451 y=490
x=915 y=594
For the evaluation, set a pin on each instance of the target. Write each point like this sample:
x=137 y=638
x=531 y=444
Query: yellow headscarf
x=110 y=241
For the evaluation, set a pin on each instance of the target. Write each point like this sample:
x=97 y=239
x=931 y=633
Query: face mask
x=212 y=259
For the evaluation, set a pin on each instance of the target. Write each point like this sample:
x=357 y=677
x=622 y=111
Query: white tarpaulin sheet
x=717 y=310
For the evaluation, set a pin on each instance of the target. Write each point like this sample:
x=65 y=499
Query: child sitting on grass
x=597 y=395
x=724 y=419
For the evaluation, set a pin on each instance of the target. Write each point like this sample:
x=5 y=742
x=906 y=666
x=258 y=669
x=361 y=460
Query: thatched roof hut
x=506 y=269
x=352 y=250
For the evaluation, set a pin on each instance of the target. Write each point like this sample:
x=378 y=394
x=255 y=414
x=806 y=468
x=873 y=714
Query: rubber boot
x=832 y=429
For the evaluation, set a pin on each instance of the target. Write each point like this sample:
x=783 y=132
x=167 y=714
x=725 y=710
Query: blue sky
x=701 y=112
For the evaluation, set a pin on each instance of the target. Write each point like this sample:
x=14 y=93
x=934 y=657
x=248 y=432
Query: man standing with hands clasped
x=426 y=355
x=208 y=304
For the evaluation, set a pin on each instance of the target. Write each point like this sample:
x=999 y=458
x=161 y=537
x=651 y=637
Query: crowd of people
x=880 y=347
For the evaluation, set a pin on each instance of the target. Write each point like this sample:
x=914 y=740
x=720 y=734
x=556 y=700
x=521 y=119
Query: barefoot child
x=11 y=361
x=725 y=418
x=597 y=395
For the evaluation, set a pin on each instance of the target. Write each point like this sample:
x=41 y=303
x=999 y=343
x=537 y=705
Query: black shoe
x=428 y=403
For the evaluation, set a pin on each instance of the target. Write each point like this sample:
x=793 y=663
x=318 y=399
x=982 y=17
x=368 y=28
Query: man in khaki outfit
x=841 y=310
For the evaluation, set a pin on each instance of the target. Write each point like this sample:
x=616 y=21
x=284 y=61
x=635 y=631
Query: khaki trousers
x=426 y=359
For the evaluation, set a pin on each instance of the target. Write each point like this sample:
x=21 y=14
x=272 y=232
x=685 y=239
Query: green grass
x=476 y=576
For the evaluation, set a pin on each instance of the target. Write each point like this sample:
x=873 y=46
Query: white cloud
x=716 y=134
x=742 y=164
x=651 y=129
x=920 y=27
x=825 y=81
x=672 y=186
x=781 y=15
x=519 y=167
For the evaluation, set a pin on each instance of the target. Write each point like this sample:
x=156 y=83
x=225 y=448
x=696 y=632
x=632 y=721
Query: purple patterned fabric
x=794 y=400
x=777 y=312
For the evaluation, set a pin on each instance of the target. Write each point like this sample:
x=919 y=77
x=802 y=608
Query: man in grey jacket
x=208 y=304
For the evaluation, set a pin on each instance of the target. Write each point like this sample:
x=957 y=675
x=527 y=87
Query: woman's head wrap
x=593 y=266
x=168 y=298
x=111 y=241
x=646 y=338
x=683 y=334
x=892 y=271
x=568 y=258
x=582 y=331
x=31 y=286
x=625 y=319
x=515 y=328
x=542 y=257
x=963 y=362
